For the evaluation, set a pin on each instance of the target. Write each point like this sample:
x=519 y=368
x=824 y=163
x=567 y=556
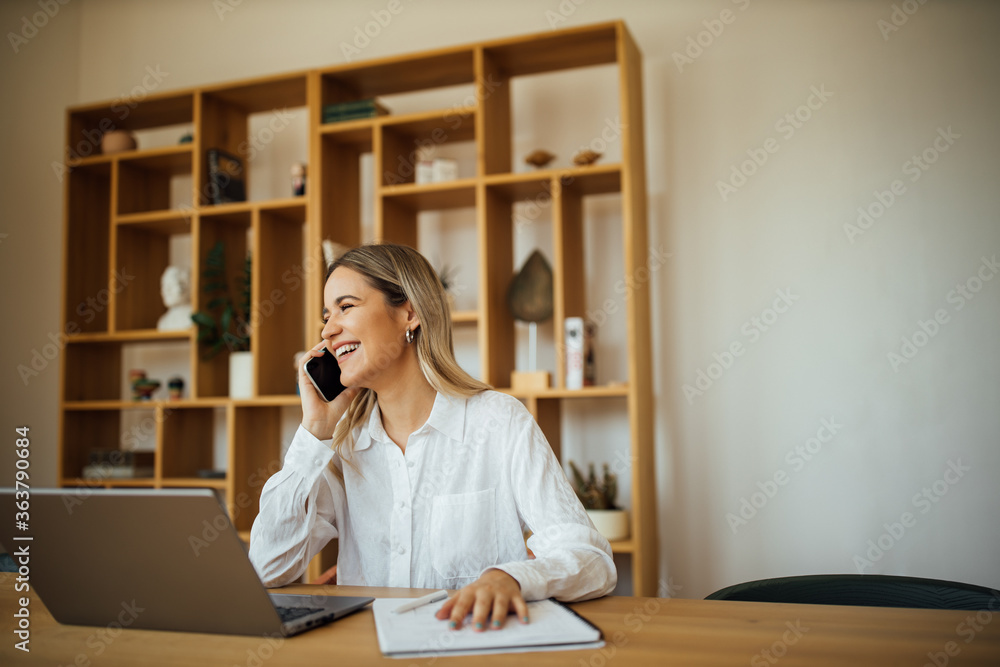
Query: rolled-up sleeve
x=299 y=510
x=572 y=560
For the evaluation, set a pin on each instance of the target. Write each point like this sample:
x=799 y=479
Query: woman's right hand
x=318 y=416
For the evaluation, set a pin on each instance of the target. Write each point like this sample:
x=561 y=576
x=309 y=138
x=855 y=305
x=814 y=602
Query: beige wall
x=853 y=296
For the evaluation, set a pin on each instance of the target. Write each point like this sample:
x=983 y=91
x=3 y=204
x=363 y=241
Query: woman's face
x=366 y=335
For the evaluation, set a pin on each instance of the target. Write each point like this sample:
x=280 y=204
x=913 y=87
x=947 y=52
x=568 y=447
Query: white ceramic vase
x=612 y=524
x=240 y=375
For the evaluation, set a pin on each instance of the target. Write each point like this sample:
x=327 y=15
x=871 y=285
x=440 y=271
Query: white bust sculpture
x=175 y=288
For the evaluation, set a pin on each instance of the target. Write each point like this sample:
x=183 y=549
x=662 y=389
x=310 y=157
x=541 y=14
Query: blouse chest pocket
x=462 y=534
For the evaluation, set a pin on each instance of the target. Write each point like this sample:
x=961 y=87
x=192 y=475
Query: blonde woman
x=426 y=476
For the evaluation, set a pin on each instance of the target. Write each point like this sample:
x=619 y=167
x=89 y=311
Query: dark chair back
x=866 y=590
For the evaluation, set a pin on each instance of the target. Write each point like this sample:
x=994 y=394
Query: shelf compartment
x=92 y=371
x=83 y=431
x=258 y=432
x=89 y=122
x=402 y=139
x=144 y=179
x=397 y=74
x=141 y=247
x=278 y=331
x=185 y=443
x=86 y=249
x=231 y=228
x=565 y=49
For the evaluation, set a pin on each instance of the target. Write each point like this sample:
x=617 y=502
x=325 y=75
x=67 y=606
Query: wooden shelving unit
x=119 y=221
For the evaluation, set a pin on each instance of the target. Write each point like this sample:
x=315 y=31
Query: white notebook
x=416 y=633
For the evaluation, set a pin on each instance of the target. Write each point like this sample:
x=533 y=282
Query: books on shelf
x=225 y=177
x=337 y=113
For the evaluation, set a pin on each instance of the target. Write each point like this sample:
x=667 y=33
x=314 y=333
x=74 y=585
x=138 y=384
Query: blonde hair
x=403 y=275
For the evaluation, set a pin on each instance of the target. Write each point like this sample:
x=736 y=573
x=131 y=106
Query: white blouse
x=474 y=478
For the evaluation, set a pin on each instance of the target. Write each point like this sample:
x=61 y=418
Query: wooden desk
x=638 y=631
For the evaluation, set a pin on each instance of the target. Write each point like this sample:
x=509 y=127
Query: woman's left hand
x=494 y=594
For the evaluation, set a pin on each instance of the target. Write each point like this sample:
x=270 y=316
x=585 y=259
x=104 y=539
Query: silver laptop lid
x=151 y=559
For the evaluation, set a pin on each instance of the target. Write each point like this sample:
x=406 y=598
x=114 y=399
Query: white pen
x=421 y=601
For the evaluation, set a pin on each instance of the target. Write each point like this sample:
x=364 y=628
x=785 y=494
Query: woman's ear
x=412 y=319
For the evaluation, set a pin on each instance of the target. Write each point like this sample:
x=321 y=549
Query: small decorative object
x=438 y=170
x=530 y=300
x=117 y=141
x=206 y=473
x=142 y=387
x=332 y=250
x=579 y=353
x=225 y=177
x=539 y=158
x=585 y=157
x=241 y=374
x=186 y=138
x=353 y=110
x=598 y=498
x=175 y=288
x=298 y=179
x=175 y=387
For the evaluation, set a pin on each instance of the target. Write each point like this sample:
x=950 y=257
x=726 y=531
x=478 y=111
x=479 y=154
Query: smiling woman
x=427 y=477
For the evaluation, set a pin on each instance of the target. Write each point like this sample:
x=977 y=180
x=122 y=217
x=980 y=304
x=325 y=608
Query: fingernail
x=524 y=619
x=496 y=624
x=452 y=624
x=479 y=626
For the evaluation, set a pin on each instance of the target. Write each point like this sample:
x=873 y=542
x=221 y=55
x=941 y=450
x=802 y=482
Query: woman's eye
x=345 y=306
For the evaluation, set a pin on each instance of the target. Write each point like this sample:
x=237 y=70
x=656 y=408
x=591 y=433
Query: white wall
x=853 y=299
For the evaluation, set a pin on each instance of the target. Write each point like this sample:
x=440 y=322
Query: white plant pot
x=240 y=375
x=612 y=524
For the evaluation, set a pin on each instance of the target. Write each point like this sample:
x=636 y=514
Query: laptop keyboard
x=289 y=614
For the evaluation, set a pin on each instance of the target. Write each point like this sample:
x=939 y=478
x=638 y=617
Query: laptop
x=151 y=559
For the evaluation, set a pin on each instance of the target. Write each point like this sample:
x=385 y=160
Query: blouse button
x=401 y=550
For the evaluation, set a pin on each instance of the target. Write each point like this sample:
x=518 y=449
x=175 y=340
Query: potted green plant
x=224 y=323
x=598 y=498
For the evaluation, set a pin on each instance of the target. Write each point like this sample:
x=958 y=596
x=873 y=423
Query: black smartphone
x=324 y=373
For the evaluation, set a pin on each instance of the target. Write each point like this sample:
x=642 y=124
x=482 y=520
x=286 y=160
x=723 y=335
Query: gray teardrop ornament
x=530 y=294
